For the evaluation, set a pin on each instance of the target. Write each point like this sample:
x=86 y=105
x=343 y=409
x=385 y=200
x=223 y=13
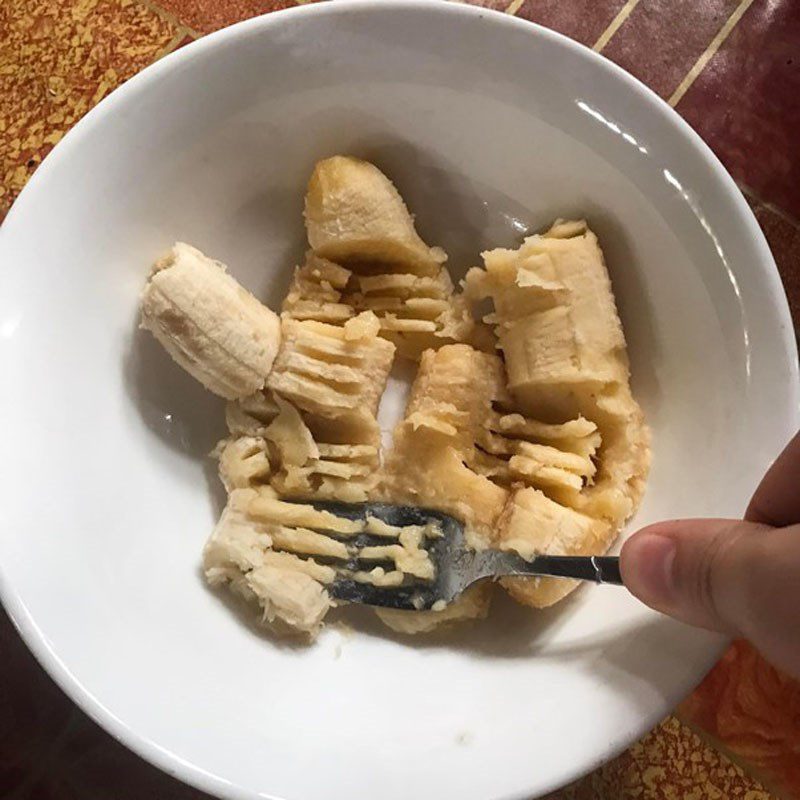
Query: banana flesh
x=575 y=437
x=210 y=325
x=354 y=215
x=367 y=256
x=282 y=555
x=289 y=589
x=331 y=370
x=522 y=425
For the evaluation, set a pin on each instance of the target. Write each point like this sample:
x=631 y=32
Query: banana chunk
x=555 y=319
x=355 y=214
x=214 y=328
x=290 y=588
x=415 y=312
x=434 y=445
x=367 y=256
x=532 y=524
x=284 y=555
x=332 y=370
x=571 y=440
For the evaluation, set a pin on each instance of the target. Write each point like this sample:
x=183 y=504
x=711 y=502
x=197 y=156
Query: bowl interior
x=490 y=128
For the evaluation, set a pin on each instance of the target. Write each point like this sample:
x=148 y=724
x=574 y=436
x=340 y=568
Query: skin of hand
x=740 y=577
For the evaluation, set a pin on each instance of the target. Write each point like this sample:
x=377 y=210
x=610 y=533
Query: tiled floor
x=583 y=20
x=58 y=58
x=755 y=711
x=746 y=103
x=731 y=67
x=206 y=17
x=662 y=39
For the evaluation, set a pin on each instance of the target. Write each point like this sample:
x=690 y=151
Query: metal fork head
x=455 y=565
x=452 y=561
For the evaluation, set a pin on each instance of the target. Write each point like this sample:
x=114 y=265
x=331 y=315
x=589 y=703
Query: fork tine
x=413 y=594
x=417 y=597
x=456 y=565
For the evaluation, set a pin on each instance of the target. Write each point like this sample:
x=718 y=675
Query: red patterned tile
x=661 y=39
x=33 y=711
x=746 y=102
x=205 y=16
x=754 y=710
x=582 y=20
x=783 y=235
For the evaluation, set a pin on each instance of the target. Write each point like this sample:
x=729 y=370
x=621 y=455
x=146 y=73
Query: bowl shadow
x=175 y=407
x=510 y=630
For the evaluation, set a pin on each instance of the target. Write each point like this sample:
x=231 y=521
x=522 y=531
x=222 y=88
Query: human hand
x=736 y=576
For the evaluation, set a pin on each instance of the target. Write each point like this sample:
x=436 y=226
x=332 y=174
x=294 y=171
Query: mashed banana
x=522 y=424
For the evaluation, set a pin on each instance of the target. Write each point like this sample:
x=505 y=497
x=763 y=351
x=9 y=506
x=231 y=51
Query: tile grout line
x=615 y=25
x=514 y=6
x=173 y=43
x=708 y=53
x=779 y=212
x=169 y=17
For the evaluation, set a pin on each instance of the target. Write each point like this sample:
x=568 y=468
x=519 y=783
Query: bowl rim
x=36 y=641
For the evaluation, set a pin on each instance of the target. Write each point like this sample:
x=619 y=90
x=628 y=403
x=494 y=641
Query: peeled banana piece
x=213 y=327
x=332 y=370
x=531 y=524
x=434 y=444
x=289 y=589
x=355 y=214
x=283 y=555
x=367 y=256
x=557 y=325
x=555 y=319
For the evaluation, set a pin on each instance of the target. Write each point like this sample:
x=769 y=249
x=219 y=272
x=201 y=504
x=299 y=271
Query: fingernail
x=648 y=568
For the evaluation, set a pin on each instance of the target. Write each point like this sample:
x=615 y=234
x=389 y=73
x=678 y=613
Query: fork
x=456 y=566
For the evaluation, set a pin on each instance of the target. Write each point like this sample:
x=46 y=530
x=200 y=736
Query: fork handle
x=600 y=569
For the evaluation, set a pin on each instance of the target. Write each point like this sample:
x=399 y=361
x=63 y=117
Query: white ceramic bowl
x=490 y=126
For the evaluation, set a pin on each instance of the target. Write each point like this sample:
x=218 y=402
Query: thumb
x=741 y=578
